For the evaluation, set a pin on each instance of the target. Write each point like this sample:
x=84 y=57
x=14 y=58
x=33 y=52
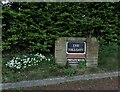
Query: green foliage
x=81 y=64
x=108 y=57
x=35 y=26
x=108 y=61
x=70 y=71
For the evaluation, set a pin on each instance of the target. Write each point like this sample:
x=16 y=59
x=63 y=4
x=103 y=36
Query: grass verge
x=108 y=61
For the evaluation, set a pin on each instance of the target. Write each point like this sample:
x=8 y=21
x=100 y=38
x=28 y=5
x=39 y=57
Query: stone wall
x=91 y=55
x=60 y=51
x=92 y=52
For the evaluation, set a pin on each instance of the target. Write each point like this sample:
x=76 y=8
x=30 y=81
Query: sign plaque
x=75 y=47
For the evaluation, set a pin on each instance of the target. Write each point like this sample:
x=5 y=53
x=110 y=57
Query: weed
x=70 y=71
x=82 y=64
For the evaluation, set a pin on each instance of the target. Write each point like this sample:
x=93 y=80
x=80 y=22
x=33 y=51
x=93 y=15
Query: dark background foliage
x=34 y=27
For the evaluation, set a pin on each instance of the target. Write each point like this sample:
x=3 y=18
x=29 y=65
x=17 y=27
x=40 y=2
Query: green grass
x=108 y=57
x=43 y=70
x=108 y=61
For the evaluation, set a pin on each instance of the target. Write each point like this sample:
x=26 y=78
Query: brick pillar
x=92 y=52
x=60 y=51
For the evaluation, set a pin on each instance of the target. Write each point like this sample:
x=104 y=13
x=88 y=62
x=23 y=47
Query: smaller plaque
x=75 y=60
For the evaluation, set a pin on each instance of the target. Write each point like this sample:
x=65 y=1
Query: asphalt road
x=96 y=84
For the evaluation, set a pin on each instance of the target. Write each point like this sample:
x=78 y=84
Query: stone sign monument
x=76 y=49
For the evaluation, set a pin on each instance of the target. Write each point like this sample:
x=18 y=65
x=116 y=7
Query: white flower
x=35 y=64
x=18 y=67
x=15 y=61
x=11 y=64
x=24 y=55
x=29 y=65
x=12 y=61
x=15 y=65
x=28 y=59
x=44 y=57
x=34 y=59
x=83 y=16
x=25 y=62
x=19 y=62
x=36 y=54
x=6 y=64
x=14 y=57
x=48 y=59
x=40 y=59
x=17 y=58
x=37 y=61
x=40 y=54
x=24 y=66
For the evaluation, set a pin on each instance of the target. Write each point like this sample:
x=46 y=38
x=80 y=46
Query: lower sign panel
x=75 y=60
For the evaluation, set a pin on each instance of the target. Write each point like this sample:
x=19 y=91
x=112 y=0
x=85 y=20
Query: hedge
x=34 y=26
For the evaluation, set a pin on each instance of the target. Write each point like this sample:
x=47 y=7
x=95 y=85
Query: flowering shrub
x=26 y=61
